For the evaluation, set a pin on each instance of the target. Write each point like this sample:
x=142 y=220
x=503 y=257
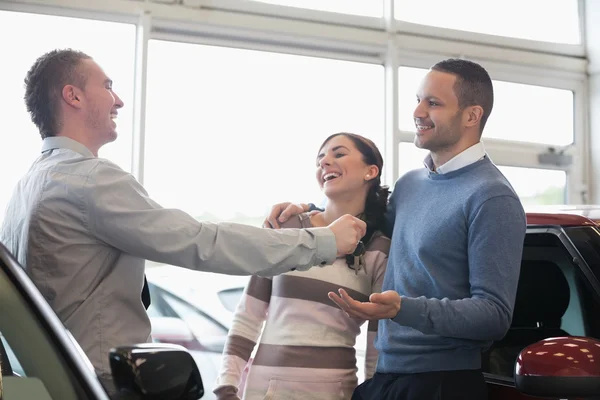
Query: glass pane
x=410 y=157
x=236 y=131
x=556 y=22
x=15 y=364
x=537 y=186
x=534 y=186
x=369 y=8
x=230 y=298
x=508 y=121
x=92 y=38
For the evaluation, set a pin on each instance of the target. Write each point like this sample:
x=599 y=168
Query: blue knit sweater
x=455 y=257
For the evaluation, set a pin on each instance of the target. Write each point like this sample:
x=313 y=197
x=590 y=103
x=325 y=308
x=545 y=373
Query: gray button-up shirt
x=82 y=228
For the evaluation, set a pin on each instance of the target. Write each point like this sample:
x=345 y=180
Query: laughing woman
x=306 y=350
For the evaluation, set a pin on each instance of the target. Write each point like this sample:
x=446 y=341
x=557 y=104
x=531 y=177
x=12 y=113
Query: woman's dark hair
x=377 y=196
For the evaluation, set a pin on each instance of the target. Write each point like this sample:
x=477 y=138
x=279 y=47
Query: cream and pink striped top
x=306 y=350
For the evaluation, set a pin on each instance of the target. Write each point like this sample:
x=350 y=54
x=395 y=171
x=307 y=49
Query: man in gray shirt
x=82 y=227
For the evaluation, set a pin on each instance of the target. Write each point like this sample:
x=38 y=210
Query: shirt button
x=323 y=262
x=293 y=269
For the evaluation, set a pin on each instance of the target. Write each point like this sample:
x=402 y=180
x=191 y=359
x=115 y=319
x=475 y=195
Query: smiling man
x=457 y=230
x=82 y=227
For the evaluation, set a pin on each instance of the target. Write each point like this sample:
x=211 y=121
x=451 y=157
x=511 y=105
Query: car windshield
x=230 y=298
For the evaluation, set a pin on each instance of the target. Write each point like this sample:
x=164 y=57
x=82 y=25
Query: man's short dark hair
x=44 y=83
x=473 y=85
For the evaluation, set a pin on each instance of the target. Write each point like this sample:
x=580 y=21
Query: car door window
x=550 y=302
x=587 y=242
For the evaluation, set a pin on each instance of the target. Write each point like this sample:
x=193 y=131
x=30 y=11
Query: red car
x=558 y=297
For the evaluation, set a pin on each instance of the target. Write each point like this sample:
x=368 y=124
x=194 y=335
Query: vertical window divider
x=139 y=99
x=390 y=173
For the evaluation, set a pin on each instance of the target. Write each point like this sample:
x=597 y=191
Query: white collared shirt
x=462 y=159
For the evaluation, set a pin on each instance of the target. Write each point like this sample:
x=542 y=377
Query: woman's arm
x=243 y=335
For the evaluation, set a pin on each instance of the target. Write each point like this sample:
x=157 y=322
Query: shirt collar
x=464 y=158
x=63 y=142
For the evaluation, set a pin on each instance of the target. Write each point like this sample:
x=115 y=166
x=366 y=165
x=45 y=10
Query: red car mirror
x=562 y=367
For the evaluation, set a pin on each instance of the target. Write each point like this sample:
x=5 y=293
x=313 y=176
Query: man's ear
x=473 y=115
x=72 y=96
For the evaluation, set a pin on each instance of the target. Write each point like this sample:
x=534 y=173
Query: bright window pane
x=508 y=120
x=537 y=186
x=89 y=36
x=410 y=157
x=542 y=20
x=369 y=8
x=533 y=185
x=236 y=131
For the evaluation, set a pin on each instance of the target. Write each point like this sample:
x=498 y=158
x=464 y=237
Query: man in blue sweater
x=457 y=239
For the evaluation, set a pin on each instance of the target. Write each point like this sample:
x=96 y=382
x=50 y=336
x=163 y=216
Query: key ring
x=355 y=260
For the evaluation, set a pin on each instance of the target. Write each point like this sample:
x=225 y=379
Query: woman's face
x=341 y=168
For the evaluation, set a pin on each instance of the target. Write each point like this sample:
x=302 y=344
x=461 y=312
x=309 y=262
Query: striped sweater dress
x=306 y=350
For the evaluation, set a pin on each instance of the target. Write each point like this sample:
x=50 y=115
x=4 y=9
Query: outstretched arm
x=121 y=214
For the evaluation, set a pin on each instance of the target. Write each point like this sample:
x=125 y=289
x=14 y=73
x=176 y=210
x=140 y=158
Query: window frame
x=385 y=40
x=524 y=154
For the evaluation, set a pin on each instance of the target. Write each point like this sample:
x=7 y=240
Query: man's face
x=437 y=115
x=101 y=104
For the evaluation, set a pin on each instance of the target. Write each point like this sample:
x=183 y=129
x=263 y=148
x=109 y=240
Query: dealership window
x=89 y=36
x=534 y=186
x=235 y=131
x=532 y=19
x=368 y=8
x=518 y=114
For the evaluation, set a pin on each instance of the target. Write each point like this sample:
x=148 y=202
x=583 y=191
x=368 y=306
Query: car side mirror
x=156 y=371
x=564 y=367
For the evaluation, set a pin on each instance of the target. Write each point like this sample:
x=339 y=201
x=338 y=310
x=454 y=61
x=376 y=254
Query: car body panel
x=565 y=224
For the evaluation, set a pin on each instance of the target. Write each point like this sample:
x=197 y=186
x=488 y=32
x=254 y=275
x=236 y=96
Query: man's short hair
x=473 y=85
x=44 y=83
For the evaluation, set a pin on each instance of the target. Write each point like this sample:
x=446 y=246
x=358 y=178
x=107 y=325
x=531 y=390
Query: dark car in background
x=195 y=310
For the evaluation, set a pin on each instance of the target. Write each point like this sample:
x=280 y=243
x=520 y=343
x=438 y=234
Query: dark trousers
x=437 y=385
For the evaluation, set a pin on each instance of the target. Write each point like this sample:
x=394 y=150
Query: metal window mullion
x=582 y=25
x=392 y=105
x=578 y=177
x=391 y=141
x=290 y=12
x=144 y=27
x=372 y=56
